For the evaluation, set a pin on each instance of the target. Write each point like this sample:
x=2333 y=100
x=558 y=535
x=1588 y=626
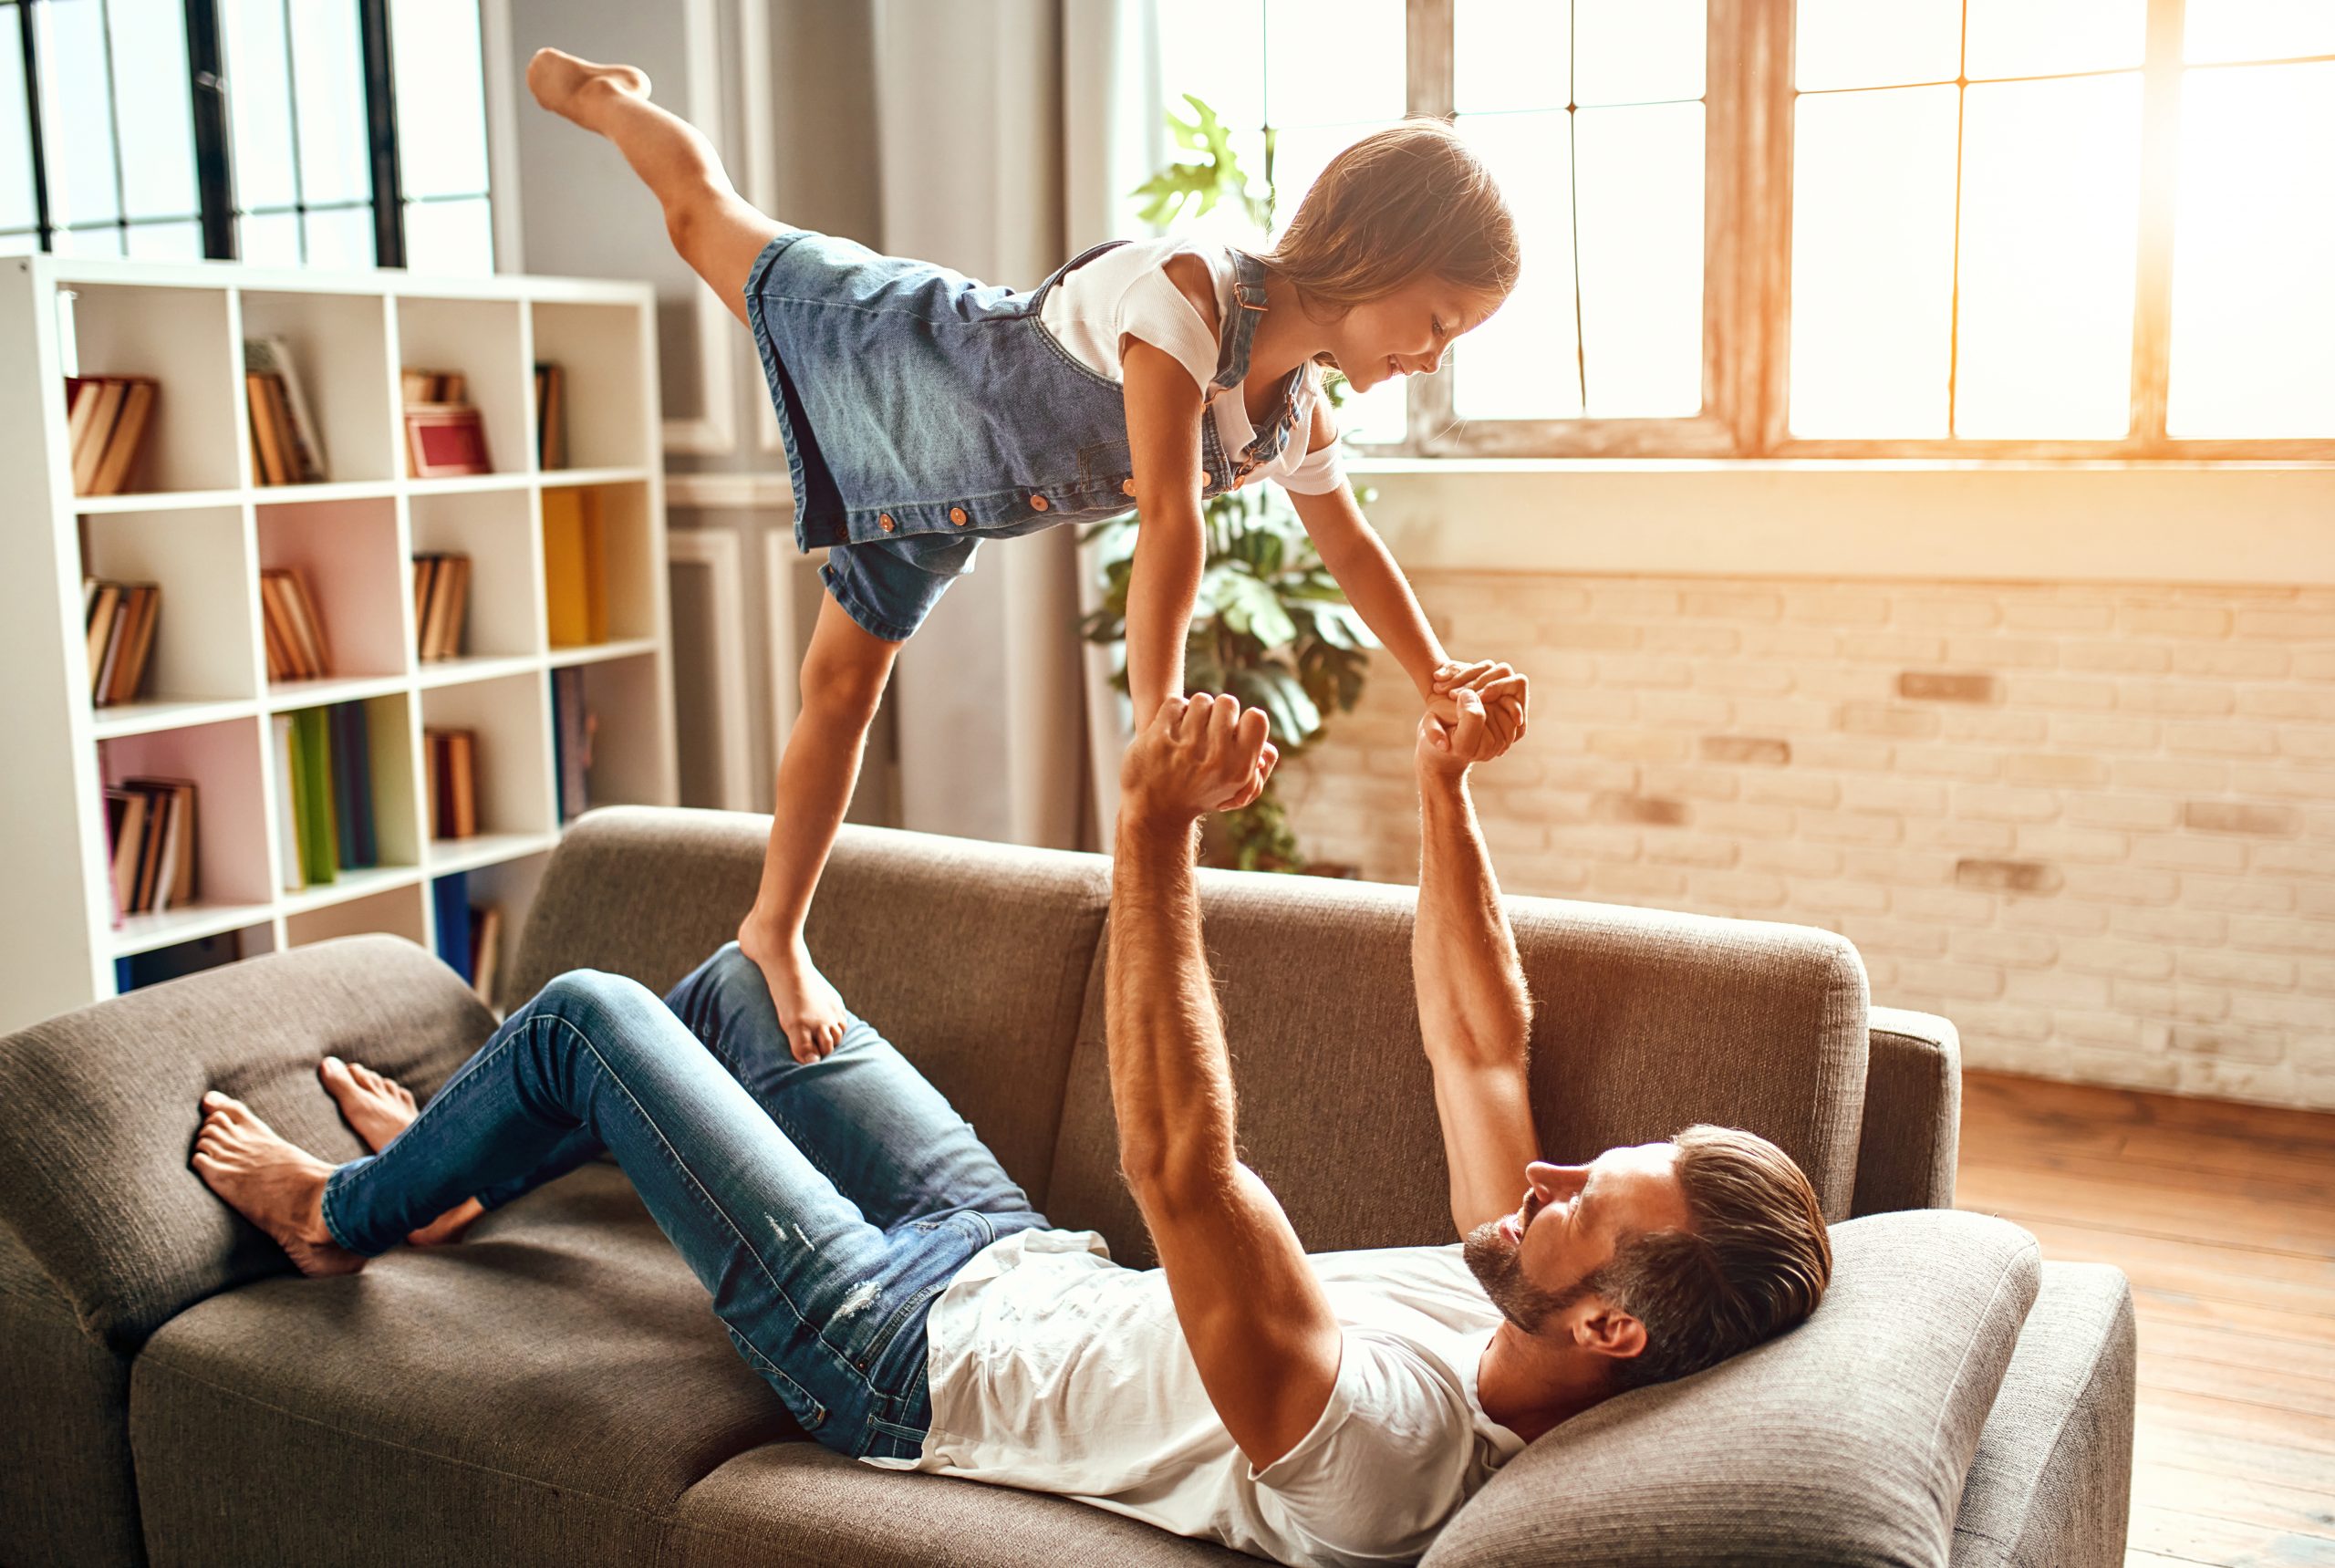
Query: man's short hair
x=1756 y=1263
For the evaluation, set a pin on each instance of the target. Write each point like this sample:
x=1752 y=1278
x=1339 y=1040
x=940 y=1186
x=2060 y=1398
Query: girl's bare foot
x=570 y=86
x=809 y=1009
x=377 y=1109
x=276 y=1187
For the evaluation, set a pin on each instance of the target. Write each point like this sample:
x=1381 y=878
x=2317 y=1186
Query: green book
x=312 y=777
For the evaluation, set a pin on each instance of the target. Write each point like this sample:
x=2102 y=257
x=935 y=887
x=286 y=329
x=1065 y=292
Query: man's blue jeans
x=823 y=1205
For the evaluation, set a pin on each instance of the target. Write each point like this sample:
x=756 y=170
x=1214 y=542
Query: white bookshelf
x=199 y=524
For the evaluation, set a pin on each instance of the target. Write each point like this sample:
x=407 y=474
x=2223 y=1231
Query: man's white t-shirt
x=1055 y=1370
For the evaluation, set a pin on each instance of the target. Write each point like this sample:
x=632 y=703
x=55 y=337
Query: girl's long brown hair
x=1409 y=201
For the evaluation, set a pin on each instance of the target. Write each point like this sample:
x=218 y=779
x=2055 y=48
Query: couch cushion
x=1644 y=1022
x=66 y=1494
x=103 y=1107
x=796 y=1505
x=1843 y=1442
x=971 y=958
x=540 y=1394
x=1912 y=1137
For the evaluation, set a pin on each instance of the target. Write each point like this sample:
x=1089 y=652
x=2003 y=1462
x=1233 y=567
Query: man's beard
x=1499 y=1269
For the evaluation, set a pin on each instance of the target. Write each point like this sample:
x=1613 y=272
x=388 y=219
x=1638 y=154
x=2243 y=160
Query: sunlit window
x=115 y=133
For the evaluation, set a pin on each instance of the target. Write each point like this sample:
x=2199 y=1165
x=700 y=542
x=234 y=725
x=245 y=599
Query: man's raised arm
x=1475 y=1015
x=1258 y=1327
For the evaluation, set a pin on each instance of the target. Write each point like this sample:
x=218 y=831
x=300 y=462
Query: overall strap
x=1232 y=348
x=1038 y=295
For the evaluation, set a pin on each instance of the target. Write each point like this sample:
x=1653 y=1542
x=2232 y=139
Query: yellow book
x=575 y=568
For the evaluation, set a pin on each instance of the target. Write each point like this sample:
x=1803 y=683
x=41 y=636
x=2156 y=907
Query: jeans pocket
x=808 y=1413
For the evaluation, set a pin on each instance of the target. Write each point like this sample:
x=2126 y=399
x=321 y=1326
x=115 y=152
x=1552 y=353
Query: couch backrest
x=971 y=957
x=1644 y=1021
x=102 y=1104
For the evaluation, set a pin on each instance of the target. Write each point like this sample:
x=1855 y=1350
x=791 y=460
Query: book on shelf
x=453 y=783
x=288 y=804
x=292 y=627
x=325 y=778
x=575 y=593
x=178 y=959
x=122 y=618
x=151 y=840
x=444 y=435
x=312 y=776
x=107 y=419
x=352 y=784
x=415 y=386
x=573 y=724
x=551 y=416
x=279 y=400
x=486 y=950
x=449 y=902
x=441 y=586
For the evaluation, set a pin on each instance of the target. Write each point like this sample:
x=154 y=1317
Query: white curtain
x=1009 y=133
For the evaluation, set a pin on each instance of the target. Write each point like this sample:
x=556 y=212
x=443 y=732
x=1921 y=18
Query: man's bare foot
x=571 y=88
x=377 y=1109
x=276 y=1187
x=810 y=1011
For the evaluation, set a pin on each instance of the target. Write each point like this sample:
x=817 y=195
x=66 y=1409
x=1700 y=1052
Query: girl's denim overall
x=824 y=1207
x=923 y=411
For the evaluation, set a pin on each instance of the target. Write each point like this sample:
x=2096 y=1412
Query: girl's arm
x=1163 y=436
x=1354 y=553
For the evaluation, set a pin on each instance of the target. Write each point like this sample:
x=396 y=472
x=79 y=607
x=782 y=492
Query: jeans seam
x=356 y=1170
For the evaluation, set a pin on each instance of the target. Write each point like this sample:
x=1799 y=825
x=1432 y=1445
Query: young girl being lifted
x=923 y=413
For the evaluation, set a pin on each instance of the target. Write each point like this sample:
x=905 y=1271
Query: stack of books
x=470 y=936
x=442 y=588
x=576 y=590
x=286 y=448
x=119 y=618
x=453 y=783
x=324 y=775
x=443 y=434
x=150 y=831
x=551 y=416
x=107 y=418
x=295 y=631
x=572 y=727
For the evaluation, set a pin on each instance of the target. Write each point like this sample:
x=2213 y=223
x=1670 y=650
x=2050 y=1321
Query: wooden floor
x=2223 y=1217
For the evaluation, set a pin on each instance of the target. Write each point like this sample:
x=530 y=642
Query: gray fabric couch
x=556 y=1391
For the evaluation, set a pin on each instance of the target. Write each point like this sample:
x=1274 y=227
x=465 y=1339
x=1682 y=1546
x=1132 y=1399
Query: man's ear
x=1604 y=1329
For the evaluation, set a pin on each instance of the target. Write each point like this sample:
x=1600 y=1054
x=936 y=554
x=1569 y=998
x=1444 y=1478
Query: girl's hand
x=1506 y=695
x=1449 y=747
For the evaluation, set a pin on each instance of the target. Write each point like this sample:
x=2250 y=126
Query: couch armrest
x=2052 y=1484
x=66 y=1493
x=1913 y=1113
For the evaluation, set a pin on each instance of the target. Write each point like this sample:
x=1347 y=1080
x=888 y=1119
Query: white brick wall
x=2095 y=826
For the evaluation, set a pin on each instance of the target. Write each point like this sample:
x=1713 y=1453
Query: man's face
x=1533 y=1264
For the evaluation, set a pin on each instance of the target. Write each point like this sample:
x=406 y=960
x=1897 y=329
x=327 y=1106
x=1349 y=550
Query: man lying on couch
x=873 y=1263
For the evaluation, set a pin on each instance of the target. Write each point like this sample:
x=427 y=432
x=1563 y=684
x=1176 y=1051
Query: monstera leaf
x=1193 y=189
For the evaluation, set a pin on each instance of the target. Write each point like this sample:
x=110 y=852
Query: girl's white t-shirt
x=1054 y=1369
x=1126 y=291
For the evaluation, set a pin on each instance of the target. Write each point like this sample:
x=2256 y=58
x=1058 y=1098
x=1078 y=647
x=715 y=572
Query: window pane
x=1637 y=51
x=259 y=102
x=1377 y=415
x=440 y=87
x=329 y=74
x=1214 y=51
x=341 y=237
x=1298 y=158
x=1511 y=54
x=179 y=240
x=450 y=236
x=270 y=239
x=2256 y=29
x=2254 y=247
x=1856 y=43
x=81 y=187
x=99 y=241
x=1332 y=60
x=24 y=243
x=1873 y=263
x=1522 y=364
x=150 y=79
x=2036 y=37
x=2050 y=227
x=18 y=208
x=1639 y=184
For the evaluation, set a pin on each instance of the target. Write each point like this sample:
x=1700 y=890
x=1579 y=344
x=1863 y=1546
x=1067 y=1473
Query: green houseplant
x=1270 y=625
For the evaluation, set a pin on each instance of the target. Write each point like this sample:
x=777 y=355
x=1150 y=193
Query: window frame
x=1749 y=115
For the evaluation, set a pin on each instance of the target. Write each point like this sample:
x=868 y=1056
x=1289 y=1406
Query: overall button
x=1126 y=487
x=1208 y=482
x=957 y=515
x=884 y=520
x=1038 y=502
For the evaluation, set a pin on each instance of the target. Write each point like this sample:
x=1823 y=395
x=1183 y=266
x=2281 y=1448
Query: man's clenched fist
x=1198 y=754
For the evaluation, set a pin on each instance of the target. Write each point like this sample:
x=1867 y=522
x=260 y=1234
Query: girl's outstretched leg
x=843 y=676
x=716 y=230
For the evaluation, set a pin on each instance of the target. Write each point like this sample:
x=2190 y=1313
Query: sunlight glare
x=1640 y=187
x=2037 y=37
x=2255 y=29
x=1859 y=44
x=1522 y=364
